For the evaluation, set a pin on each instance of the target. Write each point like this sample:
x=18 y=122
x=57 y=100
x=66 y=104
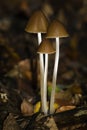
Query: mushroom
x=55 y=30
x=45 y=48
x=38 y=24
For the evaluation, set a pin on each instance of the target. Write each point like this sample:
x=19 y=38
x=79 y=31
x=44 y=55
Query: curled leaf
x=27 y=108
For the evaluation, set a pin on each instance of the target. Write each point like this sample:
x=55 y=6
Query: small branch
x=75 y=116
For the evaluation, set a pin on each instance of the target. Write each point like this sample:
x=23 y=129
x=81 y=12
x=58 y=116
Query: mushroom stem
x=41 y=74
x=52 y=99
x=45 y=84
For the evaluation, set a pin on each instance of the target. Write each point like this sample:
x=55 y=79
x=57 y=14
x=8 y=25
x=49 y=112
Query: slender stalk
x=52 y=99
x=41 y=75
x=45 y=83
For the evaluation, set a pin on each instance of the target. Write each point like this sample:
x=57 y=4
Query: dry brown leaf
x=27 y=108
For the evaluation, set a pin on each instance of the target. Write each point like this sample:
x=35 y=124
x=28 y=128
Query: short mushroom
x=45 y=48
x=38 y=24
x=55 y=30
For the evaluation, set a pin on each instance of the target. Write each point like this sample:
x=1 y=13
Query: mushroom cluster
x=39 y=24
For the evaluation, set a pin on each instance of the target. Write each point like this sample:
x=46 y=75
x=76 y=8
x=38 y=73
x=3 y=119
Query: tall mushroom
x=45 y=48
x=38 y=24
x=55 y=30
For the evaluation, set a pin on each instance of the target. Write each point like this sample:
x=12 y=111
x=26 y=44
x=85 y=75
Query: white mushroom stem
x=52 y=99
x=45 y=84
x=41 y=75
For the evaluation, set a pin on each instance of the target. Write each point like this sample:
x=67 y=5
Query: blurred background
x=18 y=48
x=19 y=64
x=14 y=16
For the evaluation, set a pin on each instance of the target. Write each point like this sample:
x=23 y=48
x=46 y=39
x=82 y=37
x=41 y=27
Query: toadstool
x=55 y=30
x=45 y=48
x=38 y=24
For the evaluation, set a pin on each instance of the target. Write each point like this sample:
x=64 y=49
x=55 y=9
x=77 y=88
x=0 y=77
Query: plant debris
x=19 y=71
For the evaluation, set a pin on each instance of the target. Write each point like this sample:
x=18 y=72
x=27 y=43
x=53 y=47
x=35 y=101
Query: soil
x=19 y=72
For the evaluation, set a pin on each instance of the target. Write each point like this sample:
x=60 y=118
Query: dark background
x=16 y=44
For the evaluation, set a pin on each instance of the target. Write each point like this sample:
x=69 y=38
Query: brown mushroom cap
x=37 y=23
x=46 y=47
x=56 y=29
